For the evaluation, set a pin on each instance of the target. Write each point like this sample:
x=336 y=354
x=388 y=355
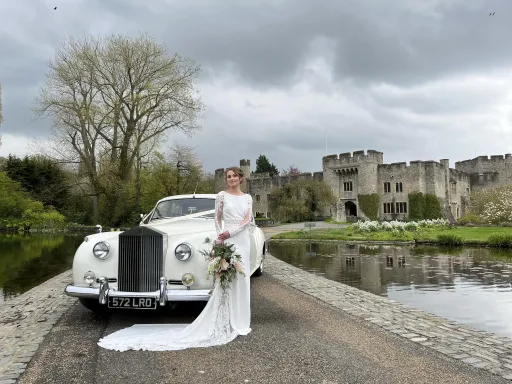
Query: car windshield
x=182 y=207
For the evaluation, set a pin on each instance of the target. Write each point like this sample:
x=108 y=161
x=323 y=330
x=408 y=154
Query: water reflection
x=469 y=285
x=28 y=260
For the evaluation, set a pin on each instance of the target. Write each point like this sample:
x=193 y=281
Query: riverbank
x=456 y=236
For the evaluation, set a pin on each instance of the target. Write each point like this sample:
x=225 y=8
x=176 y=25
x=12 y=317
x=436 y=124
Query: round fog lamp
x=89 y=277
x=187 y=279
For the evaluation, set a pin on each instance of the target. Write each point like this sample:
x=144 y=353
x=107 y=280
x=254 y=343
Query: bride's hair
x=237 y=171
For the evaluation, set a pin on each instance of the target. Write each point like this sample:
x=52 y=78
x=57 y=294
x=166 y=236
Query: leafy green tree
x=300 y=200
x=264 y=165
x=180 y=172
x=16 y=207
x=41 y=177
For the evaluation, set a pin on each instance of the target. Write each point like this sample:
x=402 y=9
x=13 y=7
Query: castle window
x=257 y=197
x=389 y=208
x=399 y=187
x=387 y=187
x=268 y=197
x=347 y=186
x=401 y=207
x=453 y=187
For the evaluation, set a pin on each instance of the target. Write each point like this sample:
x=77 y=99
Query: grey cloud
x=266 y=47
x=372 y=44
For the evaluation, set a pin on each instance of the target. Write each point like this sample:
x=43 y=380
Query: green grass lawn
x=468 y=234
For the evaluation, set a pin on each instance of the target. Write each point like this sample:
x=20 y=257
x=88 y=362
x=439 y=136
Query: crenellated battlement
x=356 y=157
x=304 y=175
x=412 y=164
x=260 y=175
x=485 y=160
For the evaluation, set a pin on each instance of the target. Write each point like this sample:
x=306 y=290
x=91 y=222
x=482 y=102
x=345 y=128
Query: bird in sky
x=54 y=8
x=492 y=13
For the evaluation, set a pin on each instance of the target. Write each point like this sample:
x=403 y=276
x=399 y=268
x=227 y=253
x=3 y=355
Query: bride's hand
x=223 y=236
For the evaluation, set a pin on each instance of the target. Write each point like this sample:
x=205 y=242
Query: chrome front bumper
x=163 y=295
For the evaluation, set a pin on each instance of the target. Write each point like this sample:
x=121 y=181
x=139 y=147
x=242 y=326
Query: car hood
x=184 y=226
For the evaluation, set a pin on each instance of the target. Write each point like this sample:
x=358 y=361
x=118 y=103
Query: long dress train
x=227 y=313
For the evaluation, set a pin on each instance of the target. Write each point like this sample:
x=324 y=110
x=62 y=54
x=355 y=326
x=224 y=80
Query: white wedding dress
x=227 y=313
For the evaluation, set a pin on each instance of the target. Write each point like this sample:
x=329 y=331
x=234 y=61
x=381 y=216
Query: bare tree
x=291 y=171
x=110 y=97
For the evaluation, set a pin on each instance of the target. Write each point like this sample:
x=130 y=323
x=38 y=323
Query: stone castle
x=359 y=173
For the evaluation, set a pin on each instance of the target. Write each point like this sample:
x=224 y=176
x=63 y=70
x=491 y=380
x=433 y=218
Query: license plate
x=132 y=302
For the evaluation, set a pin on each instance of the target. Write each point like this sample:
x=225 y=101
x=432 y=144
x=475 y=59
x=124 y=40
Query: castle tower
x=245 y=165
x=220 y=180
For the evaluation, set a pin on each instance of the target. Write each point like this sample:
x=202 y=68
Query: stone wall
x=361 y=173
x=261 y=185
x=487 y=171
x=459 y=189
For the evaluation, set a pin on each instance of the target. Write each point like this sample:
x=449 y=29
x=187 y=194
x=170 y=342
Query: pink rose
x=224 y=264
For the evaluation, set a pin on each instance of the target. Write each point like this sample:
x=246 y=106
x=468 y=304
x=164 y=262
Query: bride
x=227 y=313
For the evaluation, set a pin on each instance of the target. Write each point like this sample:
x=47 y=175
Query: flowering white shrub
x=397 y=226
x=493 y=205
x=499 y=210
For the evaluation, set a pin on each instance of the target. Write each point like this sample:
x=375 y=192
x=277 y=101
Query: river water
x=468 y=285
x=28 y=260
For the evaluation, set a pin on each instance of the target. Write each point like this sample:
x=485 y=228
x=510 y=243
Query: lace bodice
x=235 y=211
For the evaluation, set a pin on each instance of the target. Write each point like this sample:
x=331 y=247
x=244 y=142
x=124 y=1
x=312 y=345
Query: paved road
x=295 y=339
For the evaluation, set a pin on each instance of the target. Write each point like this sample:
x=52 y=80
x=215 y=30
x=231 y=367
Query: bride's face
x=233 y=179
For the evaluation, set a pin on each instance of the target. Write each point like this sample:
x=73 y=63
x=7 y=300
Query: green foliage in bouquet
x=223 y=262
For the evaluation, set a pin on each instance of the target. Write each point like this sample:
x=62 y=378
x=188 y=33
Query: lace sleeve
x=219 y=207
x=247 y=219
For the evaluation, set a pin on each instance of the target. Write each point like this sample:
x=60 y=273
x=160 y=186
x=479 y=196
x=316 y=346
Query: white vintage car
x=157 y=262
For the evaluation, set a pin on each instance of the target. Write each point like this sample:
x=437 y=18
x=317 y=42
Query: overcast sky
x=416 y=79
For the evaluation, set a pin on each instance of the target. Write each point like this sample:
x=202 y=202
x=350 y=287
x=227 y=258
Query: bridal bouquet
x=223 y=262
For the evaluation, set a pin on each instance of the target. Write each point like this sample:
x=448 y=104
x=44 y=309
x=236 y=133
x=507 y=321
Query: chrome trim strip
x=188 y=295
x=170 y=294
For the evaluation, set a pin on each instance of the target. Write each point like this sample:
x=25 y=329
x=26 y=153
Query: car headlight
x=187 y=279
x=183 y=252
x=101 y=250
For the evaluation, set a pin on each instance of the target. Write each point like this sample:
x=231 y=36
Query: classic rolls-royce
x=156 y=262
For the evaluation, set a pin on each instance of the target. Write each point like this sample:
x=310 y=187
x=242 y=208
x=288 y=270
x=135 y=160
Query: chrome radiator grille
x=141 y=259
